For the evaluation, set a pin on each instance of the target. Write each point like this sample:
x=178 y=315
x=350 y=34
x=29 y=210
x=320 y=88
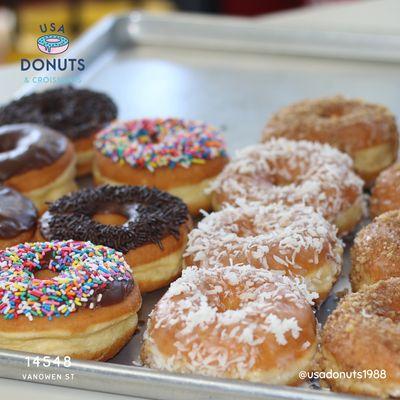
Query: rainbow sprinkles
x=155 y=143
x=83 y=269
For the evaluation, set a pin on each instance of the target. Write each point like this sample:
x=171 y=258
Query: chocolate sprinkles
x=151 y=216
x=76 y=113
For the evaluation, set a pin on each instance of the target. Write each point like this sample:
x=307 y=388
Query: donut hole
x=331 y=111
x=44 y=274
x=53 y=107
x=110 y=218
x=9 y=141
x=150 y=135
x=264 y=182
x=389 y=311
x=229 y=303
x=281 y=181
x=288 y=170
x=115 y=214
x=225 y=299
x=244 y=227
x=53 y=40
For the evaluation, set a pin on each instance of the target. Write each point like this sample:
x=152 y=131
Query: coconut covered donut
x=375 y=254
x=292 y=172
x=37 y=161
x=385 y=194
x=18 y=218
x=295 y=239
x=366 y=131
x=179 y=156
x=66 y=298
x=76 y=113
x=148 y=226
x=363 y=335
x=234 y=322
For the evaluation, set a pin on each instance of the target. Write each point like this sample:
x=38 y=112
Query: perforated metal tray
x=233 y=73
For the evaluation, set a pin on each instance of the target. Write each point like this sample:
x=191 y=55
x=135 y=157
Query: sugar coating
x=329 y=120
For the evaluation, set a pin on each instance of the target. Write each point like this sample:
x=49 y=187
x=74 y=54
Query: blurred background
x=20 y=19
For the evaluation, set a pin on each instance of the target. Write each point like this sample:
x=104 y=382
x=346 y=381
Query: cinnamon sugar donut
x=293 y=172
x=234 y=322
x=385 y=194
x=37 y=161
x=375 y=253
x=363 y=335
x=366 y=131
x=179 y=156
x=295 y=239
x=18 y=218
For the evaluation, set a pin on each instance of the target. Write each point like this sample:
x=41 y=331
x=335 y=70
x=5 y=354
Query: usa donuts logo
x=52 y=41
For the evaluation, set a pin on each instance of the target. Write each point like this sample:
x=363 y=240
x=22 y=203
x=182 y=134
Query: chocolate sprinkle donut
x=151 y=216
x=76 y=113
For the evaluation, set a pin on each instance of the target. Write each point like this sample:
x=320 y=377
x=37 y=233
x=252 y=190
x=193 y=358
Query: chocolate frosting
x=113 y=293
x=17 y=213
x=74 y=112
x=24 y=147
x=151 y=216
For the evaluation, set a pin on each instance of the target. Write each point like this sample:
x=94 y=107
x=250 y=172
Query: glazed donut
x=365 y=131
x=66 y=298
x=36 y=161
x=293 y=239
x=18 y=218
x=234 y=322
x=385 y=194
x=375 y=254
x=148 y=226
x=363 y=334
x=76 y=113
x=294 y=172
x=181 y=157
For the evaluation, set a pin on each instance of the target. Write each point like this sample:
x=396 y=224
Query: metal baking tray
x=233 y=73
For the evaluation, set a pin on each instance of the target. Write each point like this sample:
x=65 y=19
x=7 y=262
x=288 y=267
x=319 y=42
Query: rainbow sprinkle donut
x=176 y=155
x=154 y=143
x=52 y=44
x=87 y=273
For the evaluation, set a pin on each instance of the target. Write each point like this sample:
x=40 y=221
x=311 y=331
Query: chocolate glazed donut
x=28 y=146
x=18 y=218
x=37 y=161
x=149 y=226
x=76 y=113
